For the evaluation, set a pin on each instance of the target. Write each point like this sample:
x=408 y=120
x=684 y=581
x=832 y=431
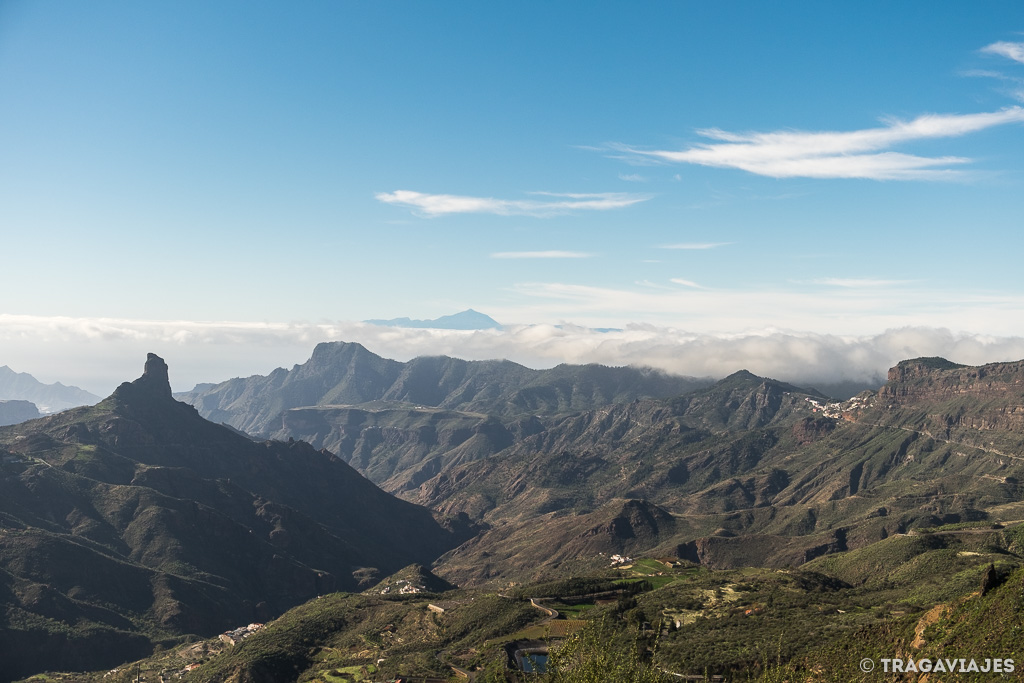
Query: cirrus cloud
x=540 y=254
x=859 y=282
x=695 y=245
x=432 y=205
x=836 y=154
x=1014 y=51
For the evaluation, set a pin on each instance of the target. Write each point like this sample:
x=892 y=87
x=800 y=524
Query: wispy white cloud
x=835 y=154
x=1014 y=51
x=540 y=254
x=859 y=282
x=985 y=73
x=443 y=204
x=652 y=285
x=685 y=283
x=1013 y=85
x=632 y=177
x=695 y=245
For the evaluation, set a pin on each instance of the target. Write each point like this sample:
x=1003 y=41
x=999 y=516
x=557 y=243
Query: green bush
x=597 y=654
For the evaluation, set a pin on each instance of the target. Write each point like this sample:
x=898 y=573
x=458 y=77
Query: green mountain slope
x=795 y=535
x=936 y=595
x=753 y=471
x=136 y=521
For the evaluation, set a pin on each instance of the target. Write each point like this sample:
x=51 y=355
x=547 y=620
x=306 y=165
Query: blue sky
x=708 y=171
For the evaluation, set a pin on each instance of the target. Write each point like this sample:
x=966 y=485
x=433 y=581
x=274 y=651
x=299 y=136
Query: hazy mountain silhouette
x=49 y=398
x=13 y=412
x=464 y=320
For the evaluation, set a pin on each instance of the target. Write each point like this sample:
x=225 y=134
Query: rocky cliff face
x=977 y=406
x=936 y=379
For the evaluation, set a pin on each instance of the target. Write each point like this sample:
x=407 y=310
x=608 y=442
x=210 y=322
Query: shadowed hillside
x=135 y=521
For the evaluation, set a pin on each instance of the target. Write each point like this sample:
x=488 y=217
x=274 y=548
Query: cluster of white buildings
x=836 y=410
x=236 y=636
x=405 y=587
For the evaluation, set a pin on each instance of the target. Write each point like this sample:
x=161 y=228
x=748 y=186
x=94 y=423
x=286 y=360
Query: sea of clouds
x=99 y=353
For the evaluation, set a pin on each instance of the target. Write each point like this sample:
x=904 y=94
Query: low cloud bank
x=97 y=354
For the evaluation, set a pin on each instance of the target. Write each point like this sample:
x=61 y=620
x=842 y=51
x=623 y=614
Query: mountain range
x=136 y=521
x=746 y=472
x=586 y=459
x=49 y=398
x=139 y=522
x=346 y=374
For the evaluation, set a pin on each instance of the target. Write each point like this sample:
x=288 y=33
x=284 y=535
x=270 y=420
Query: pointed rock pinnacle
x=154 y=377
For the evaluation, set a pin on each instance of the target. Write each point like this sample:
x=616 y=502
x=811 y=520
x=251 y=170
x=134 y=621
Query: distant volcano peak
x=464 y=320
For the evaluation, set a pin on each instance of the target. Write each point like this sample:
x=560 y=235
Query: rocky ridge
x=752 y=471
x=346 y=374
x=141 y=522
